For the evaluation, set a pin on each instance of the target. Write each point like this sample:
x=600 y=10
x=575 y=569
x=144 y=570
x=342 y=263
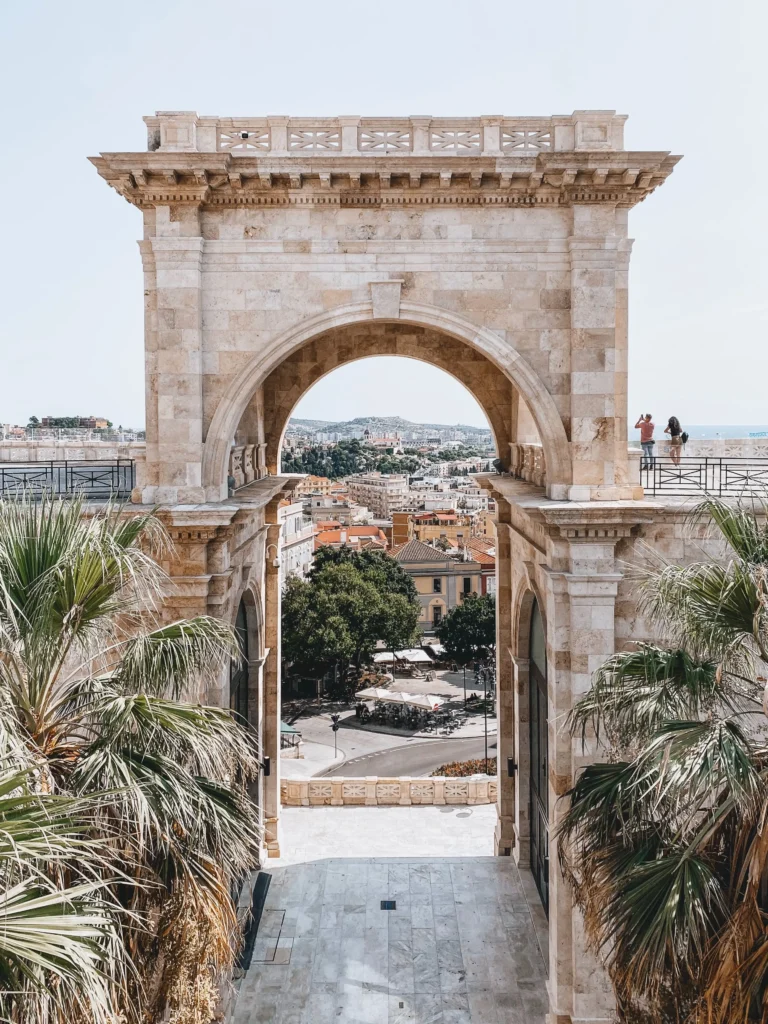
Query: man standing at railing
x=646 y=427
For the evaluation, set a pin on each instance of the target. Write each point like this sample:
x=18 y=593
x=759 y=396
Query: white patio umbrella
x=414 y=656
x=373 y=693
x=428 y=701
x=395 y=697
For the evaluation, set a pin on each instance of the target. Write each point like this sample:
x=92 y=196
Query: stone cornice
x=547 y=179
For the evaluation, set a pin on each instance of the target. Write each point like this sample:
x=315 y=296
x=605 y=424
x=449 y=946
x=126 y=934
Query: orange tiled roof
x=354 y=536
x=481 y=551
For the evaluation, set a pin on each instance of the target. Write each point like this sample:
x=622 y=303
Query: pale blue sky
x=76 y=78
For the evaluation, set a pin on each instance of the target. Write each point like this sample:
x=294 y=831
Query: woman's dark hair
x=674 y=425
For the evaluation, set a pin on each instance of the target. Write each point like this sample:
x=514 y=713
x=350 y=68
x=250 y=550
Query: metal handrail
x=697 y=475
x=94 y=479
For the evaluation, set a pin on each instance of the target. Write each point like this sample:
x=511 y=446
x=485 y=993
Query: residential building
x=442 y=581
x=296 y=540
x=443 y=524
x=312 y=484
x=335 y=506
x=483 y=551
x=356 y=537
x=485 y=522
x=380 y=492
x=88 y=422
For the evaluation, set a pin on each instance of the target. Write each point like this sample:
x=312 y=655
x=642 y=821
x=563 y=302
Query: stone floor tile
x=482 y=1007
x=461 y=948
x=456 y=1008
x=446 y=928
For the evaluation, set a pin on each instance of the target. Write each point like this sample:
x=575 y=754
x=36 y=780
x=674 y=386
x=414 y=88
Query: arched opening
x=438 y=528
x=239 y=671
x=539 y=754
x=489 y=366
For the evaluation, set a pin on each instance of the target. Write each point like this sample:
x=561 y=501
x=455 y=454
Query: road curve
x=414 y=761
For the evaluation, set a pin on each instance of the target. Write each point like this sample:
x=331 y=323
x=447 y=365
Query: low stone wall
x=719 y=448
x=377 y=792
x=71 y=450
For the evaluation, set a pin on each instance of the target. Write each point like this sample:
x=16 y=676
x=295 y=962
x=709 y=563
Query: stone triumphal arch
x=276 y=249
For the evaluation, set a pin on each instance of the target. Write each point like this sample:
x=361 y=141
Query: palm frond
x=635 y=692
x=167 y=659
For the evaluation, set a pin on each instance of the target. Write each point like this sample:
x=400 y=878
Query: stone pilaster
x=179 y=378
x=581 y=613
x=272 y=712
x=151 y=466
x=598 y=427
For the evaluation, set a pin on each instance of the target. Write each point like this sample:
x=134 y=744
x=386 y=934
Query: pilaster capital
x=187 y=249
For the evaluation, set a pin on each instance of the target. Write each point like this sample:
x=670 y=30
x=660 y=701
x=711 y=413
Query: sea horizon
x=713 y=431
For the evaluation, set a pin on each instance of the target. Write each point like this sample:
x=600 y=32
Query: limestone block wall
x=372 y=791
x=507 y=234
x=71 y=450
x=507 y=270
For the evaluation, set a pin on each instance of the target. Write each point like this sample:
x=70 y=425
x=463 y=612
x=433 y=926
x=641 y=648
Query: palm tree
x=666 y=844
x=98 y=705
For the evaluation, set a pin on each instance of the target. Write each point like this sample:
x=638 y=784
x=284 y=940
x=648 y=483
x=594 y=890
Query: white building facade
x=296 y=541
x=380 y=492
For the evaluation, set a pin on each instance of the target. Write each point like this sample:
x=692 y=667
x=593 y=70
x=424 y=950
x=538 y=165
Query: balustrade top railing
x=92 y=479
x=694 y=476
x=490 y=135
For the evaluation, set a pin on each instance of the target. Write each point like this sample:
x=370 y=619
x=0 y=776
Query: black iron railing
x=697 y=475
x=93 y=479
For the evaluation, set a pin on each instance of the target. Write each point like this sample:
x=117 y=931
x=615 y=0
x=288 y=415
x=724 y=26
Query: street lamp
x=485 y=715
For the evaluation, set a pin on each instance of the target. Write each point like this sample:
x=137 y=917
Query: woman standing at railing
x=675 y=432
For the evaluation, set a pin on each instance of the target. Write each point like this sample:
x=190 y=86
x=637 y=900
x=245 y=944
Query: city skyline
x=698 y=267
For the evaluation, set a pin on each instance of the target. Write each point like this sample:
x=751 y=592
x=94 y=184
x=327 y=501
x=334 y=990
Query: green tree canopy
x=379 y=567
x=350 y=601
x=347 y=457
x=468 y=632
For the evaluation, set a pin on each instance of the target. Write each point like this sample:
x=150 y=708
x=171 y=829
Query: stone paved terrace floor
x=460 y=947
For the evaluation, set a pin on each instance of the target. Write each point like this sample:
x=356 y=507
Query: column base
x=504 y=836
x=271 y=837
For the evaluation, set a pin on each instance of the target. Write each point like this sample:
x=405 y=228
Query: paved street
x=414 y=759
x=459 y=947
x=382 y=751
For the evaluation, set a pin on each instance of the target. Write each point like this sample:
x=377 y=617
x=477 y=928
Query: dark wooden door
x=539 y=757
x=238 y=673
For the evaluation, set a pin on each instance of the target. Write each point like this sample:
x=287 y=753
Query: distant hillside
x=389 y=424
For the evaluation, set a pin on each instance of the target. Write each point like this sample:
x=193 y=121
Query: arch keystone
x=385 y=298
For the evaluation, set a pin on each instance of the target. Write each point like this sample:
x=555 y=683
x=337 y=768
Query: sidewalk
x=318 y=757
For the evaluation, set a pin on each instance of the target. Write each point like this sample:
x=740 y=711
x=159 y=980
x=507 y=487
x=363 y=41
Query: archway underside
x=289 y=382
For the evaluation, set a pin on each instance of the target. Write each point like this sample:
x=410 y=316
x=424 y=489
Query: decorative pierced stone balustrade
x=246 y=463
x=526 y=462
x=490 y=135
x=380 y=792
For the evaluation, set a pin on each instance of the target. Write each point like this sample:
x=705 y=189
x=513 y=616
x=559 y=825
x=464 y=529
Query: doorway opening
x=539 y=747
x=238 y=672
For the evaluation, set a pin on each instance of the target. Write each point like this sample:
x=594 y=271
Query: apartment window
x=437 y=585
x=437 y=615
x=467 y=585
